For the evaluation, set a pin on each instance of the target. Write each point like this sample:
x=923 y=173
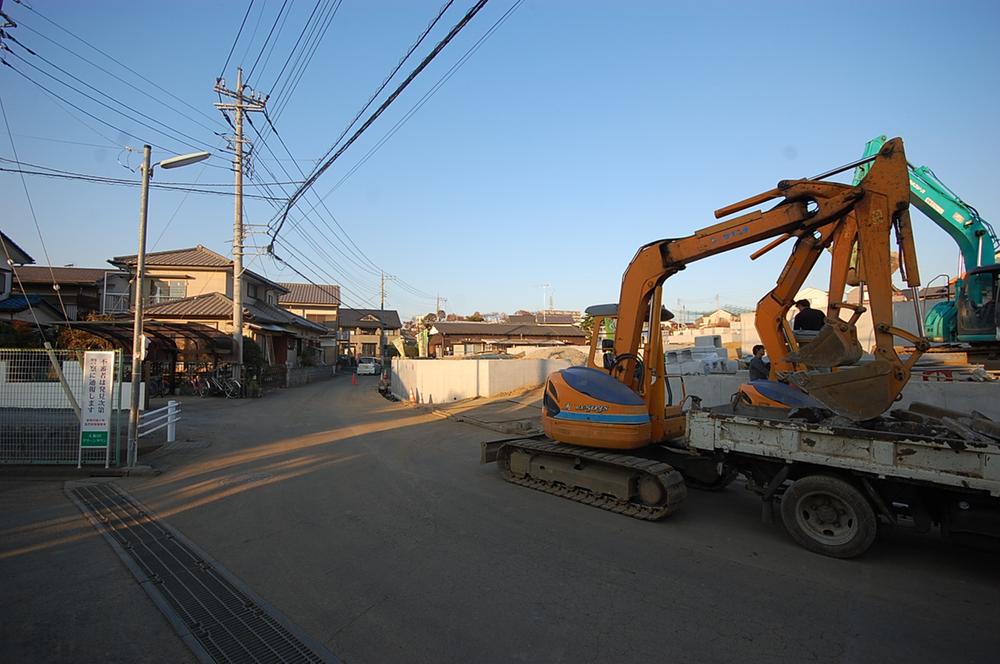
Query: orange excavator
x=611 y=437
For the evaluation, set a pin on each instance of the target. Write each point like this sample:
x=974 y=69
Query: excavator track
x=660 y=481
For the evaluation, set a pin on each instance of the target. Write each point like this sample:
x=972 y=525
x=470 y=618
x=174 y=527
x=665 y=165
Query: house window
x=368 y=349
x=271 y=299
x=252 y=290
x=165 y=291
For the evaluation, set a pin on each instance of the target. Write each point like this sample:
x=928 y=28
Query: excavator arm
x=858 y=221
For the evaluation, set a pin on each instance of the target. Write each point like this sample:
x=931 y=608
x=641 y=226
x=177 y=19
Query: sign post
x=96 y=404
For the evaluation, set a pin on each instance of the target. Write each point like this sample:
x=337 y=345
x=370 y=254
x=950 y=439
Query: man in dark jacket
x=759 y=369
x=808 y=318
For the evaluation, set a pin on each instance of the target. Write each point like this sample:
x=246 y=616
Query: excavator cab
x=976 y=304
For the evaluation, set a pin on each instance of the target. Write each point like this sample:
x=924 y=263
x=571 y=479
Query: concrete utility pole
x=244 y=101
x=131 y=453
x=381 y=319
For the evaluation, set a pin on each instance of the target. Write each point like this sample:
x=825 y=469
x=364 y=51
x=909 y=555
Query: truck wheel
x=827 y=515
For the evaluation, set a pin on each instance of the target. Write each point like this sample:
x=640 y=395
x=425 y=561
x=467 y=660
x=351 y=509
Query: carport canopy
x=119 y=332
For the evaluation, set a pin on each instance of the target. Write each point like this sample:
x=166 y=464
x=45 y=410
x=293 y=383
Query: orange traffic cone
x=354 y=379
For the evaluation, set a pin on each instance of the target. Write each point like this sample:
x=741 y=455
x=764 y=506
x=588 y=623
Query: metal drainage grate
x=218 y=617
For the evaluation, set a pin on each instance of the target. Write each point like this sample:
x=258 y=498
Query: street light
x=140 y=273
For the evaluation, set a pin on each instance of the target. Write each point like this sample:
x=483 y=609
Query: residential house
x=13 y=304
x=81 y=289
x=359 y=330
x=466 y=338
x=318 y=303
x=195 y=287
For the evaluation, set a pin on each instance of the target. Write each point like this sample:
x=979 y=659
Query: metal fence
x=38 y=424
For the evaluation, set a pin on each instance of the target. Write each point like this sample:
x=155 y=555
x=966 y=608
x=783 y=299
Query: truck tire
x=827 y=515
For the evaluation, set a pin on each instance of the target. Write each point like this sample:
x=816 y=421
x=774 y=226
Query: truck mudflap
x=638 y=487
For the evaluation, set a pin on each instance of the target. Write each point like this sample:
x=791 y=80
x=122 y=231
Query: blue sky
x=576 y=133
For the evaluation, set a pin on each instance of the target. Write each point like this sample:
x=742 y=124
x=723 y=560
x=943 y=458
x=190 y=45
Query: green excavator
x=971 y=316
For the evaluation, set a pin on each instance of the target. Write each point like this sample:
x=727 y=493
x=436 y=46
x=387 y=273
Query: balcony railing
x=116 y=303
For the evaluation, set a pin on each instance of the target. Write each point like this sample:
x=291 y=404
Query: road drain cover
x=215 y=614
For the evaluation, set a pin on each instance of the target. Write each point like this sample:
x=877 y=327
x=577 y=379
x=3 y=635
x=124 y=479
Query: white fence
x=442 y=381
x=154 y=420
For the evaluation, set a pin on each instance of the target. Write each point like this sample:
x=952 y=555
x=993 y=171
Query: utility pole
x=381 y=320
x=243 y=102
x=131 y=454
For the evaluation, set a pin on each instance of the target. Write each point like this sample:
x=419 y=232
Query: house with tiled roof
x=318 y=303
x=195 y=285
x=360 y=331
x=77 y=290
x=14 y=305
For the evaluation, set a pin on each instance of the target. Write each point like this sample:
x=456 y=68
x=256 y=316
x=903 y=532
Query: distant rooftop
x=327 y=294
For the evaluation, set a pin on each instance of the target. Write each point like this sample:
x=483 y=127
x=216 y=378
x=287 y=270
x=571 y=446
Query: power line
x=85 y=112
x=425 y=98
x=96 y=179
x=171 y=106
x=196 y=144
x=393 y=73
x=298 y=70
x=238 y=33
x=113 y=59
x=389 y=100
x=268 y=38
x=295 y=46
x=34 y=218
x=174 y=184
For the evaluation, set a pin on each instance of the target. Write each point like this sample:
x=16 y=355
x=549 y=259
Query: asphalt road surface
x=371 y=525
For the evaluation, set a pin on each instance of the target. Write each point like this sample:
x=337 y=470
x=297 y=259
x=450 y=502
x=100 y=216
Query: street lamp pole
x=132 y=453
x=140 y=273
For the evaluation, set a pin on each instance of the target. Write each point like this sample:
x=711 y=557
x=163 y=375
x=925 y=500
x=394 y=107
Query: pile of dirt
x=574 y=356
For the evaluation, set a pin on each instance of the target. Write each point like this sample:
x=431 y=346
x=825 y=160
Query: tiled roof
x=194 y=257
x=218 y=306
x=328 y=294
x=40 y=274
x=18 y=255
x=347 y=318
x=17 y=303
x=467 y=328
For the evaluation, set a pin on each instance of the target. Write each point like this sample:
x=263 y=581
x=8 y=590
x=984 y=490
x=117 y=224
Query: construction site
x=832 y=435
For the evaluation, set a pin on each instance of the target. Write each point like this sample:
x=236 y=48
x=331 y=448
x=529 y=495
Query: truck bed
x=972 y=466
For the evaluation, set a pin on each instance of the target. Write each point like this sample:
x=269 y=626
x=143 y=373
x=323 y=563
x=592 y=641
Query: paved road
x=371 y=526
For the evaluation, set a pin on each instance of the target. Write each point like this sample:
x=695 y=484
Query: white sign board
x=96 y=405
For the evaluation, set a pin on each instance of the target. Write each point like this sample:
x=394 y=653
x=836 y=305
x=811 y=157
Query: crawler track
x=669 y=480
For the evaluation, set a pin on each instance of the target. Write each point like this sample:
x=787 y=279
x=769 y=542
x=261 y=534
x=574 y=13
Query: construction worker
x=808 y=319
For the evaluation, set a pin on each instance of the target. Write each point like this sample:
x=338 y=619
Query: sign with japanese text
x=95 y=407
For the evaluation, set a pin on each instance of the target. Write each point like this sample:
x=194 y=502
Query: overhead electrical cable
x=196 y=143
x=389 y=100
x=425 y=98
x=104 y=122
x=295 y=46
x=34 y=218
x=113 y=59
x=238 y=33
x=268 y=38
x=172 y=106
x=97 y=179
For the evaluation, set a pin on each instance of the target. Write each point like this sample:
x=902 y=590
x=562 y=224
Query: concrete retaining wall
x=716 y=390
x=305 y=375
x=441 y=381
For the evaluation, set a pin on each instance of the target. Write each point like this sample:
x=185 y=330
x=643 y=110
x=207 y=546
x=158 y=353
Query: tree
x=475 y=318
x=430 y=319
x=77 y=339
x=18 y=334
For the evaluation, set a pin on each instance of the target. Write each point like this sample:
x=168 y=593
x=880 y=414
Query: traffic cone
x=354 y=379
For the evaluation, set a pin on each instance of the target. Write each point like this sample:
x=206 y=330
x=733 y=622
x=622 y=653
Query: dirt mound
x=575 y=357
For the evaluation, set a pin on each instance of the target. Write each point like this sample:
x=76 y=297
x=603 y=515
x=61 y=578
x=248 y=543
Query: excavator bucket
x=859 y=393
x=836 y=345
